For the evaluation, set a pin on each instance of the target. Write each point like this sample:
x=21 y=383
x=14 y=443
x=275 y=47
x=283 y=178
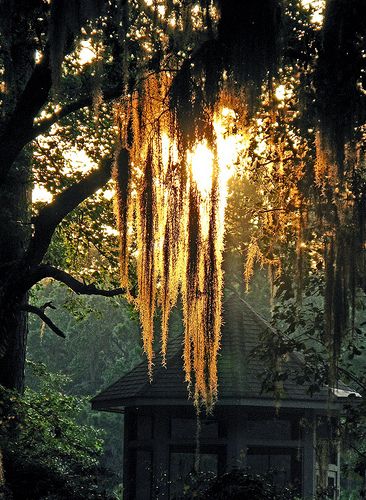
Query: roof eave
x=119 y=404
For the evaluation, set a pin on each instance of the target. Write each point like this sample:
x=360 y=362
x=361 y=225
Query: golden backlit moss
x=173 y=210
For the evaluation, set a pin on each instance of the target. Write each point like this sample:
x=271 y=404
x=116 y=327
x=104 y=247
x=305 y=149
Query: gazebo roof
x=239 y=373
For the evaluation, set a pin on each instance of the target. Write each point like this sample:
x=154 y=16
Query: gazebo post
x=128 y=487
x=161 y=453
x=309 y=457
x=237 y=439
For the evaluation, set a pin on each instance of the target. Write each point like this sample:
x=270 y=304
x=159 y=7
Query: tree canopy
x=172 y=87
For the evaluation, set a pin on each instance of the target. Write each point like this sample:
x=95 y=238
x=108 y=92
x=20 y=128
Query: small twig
x=39 y=311
x=47 y=304
x=268 y=210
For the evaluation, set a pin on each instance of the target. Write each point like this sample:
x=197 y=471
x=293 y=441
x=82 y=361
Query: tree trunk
x=14 y=237
x=13 y=352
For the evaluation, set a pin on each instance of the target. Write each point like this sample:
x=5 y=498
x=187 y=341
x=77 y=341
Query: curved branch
x=51 y=215
x=42 y=126
x=108 y=94
x=16 y=132
x=39 y=311
x=47 y=271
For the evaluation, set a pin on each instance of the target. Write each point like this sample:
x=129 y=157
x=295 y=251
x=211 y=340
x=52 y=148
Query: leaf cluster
x=47 y=452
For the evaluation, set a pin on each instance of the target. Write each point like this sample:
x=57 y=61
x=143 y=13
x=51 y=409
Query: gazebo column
x=128 y=467
x=236 y=439
x=338 y=483
x=309 y=457
x=161 y=454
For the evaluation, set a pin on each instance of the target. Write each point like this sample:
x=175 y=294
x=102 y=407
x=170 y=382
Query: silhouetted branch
x=39 y=311
x=47 y=271
x=360 y=453
x=51 y=215
x=87 y=100
x=353 y=377
x=16 y=133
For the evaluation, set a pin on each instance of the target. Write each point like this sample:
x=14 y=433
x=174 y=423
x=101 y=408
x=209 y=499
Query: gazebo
x=248 y=428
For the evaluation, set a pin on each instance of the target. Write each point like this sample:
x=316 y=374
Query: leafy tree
x=46 y=452
x=95 y=351
x=176 y=63
x=36 y=38
x=94 y=354
x=173 y=64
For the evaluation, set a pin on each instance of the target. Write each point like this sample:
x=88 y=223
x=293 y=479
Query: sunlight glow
x=40 y=194
x=109 y=194
x=229 y=148
x=87 y=53
x=169 y=151
x=110 y=231
x=77 y=161
x=201 y=162
x=318 y=6
x=280 y=92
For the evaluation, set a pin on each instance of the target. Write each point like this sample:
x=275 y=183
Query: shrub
x=47 y=453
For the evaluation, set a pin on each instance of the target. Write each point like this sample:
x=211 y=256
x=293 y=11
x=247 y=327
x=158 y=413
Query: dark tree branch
x=87 y=100
x=16 y=133
x=47 y=304
x=39 y=311
x=51 y=215
x=46 y=271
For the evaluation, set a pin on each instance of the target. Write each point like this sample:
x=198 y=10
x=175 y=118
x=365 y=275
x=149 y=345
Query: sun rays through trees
x=206 y=95
x=238 y=105
x=173 y=210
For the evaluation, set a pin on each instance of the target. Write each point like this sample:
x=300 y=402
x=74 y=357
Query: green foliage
x=47 y=452
x=350 y=495
x=102 y=343
x=85 y=242
x=102 y=338
x=301 y=327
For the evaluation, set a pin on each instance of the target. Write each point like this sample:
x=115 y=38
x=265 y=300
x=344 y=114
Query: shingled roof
x=239 y=372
